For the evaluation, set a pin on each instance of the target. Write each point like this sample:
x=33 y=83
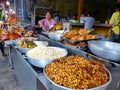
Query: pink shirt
x=46 y=23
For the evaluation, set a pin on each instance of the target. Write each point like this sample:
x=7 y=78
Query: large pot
x=54 y=86
x=105 y=49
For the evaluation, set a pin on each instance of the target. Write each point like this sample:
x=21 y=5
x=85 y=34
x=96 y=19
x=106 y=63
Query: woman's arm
x=41 y=23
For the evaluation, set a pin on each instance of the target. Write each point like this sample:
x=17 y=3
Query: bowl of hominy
x=77 y=73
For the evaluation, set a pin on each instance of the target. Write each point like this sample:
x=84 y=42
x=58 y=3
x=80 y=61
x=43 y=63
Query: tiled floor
x=8 y=79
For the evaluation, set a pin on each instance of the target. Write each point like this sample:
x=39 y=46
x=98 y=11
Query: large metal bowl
x=105 y=49
x=24 y=50
x=41 y=63
x=16 y=41
x=54 y=86
x=56 y=35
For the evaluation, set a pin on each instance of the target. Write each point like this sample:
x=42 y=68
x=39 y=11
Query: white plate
x=41 y=42
x=8 y=42
x=23 y=50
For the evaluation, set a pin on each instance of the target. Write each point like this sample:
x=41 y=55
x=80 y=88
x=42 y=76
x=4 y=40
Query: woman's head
x=48 y=15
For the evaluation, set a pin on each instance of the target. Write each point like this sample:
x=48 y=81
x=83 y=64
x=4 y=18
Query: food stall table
x=32 y=78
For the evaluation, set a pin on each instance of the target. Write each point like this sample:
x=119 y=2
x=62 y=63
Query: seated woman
x=48 y=22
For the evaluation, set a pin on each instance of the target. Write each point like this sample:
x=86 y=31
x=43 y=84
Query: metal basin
x=54 y=86
x=105 y=49
x=41 y=63
x=56 y=35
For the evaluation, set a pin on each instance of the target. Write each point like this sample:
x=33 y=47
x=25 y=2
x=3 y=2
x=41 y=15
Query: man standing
x=88 y=21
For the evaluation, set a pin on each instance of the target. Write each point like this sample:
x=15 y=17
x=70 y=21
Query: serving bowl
x=56 y=35
x=105 y=49
x=41 y=63
x=16 y=41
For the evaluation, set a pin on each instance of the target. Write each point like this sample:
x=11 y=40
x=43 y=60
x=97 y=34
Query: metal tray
x=76 y=41
x=74 y=46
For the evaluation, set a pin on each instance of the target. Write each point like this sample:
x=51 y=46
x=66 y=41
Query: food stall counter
x=32 y=78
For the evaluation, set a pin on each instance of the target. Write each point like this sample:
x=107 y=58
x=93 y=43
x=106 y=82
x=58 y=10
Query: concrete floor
x=8 y=79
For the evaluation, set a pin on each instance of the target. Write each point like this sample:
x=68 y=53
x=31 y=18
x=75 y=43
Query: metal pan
x=105 y=49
